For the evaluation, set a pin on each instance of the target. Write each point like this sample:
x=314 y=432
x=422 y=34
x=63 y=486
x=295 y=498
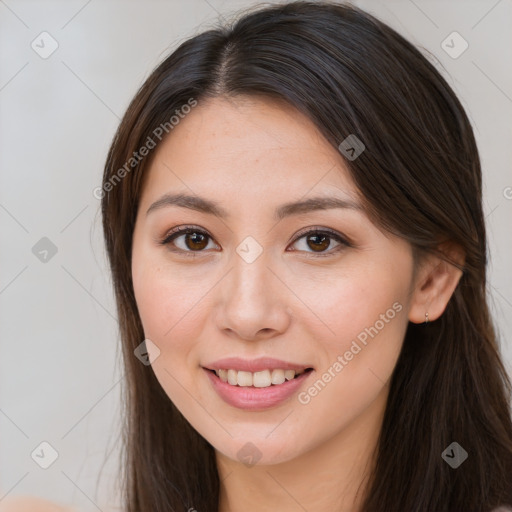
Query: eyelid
x=319 y=229
x=180 y=231
x=338 y=237
x=183 y=230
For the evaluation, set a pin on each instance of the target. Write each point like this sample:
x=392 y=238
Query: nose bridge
x=250 y=301
x=250 y=277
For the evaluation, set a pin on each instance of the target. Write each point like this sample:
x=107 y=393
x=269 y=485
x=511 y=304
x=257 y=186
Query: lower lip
x=251 y=398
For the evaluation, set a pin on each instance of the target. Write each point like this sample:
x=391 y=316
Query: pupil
x=198 y=244
x=323 y=238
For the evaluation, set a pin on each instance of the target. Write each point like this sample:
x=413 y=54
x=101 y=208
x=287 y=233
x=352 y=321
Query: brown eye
x=321 y=242
x=318 y=242
x=196 y=241
x=187 y=240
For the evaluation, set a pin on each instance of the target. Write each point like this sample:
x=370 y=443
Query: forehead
x=248 y=146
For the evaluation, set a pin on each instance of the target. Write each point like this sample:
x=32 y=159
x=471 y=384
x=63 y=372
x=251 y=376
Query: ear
x=435 y=283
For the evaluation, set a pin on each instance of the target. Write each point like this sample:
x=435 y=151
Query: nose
x=252 y=303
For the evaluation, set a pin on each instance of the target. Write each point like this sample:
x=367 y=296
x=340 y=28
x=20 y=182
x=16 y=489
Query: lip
x=256 y=399
x=254 y=365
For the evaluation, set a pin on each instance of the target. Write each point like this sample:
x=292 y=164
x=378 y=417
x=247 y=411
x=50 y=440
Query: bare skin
x=251 y=156
x=316 y=449
x=30 y=504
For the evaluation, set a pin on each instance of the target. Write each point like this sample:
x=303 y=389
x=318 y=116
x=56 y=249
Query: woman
x=293 y=216
x=292 y=212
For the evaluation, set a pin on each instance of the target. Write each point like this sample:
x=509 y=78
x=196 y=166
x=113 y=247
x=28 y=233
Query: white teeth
x=232 y=377
x=278 y=376
x=244 y=378
x=289 y=374
x=262 y=379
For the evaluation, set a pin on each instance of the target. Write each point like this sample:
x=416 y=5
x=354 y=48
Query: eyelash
x=183 y=230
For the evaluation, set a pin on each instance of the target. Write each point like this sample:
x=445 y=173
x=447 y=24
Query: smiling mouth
x=262 y=379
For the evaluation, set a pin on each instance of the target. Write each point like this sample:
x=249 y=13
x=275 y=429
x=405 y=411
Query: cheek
x=168 y=300
x=348 y=303
x=154 y=299
x=364 y=318
x=170 y=310
x=357 y=362
x=172 y=305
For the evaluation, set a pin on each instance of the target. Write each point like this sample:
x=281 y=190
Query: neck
x=331 y=476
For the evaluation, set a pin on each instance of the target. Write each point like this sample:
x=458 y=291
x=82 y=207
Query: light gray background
x=59 y=360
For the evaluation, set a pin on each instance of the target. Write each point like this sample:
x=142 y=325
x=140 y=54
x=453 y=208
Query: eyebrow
x=207 y=206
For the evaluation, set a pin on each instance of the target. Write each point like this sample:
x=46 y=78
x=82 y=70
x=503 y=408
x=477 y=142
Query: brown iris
x=319 y=239
x=198 y=240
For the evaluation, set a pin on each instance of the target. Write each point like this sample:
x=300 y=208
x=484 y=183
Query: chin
x=259 y=452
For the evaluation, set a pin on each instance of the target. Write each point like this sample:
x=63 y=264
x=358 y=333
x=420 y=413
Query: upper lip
x=254 y=365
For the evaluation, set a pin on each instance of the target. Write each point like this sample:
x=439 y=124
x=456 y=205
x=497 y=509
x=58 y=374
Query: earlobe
x=437 y=280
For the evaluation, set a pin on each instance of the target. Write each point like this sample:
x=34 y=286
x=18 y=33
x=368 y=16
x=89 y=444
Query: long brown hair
x=420 y=176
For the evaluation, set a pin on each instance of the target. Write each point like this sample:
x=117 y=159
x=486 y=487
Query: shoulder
x=29 y=504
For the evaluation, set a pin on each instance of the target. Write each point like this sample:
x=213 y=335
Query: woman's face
x=249 y=282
